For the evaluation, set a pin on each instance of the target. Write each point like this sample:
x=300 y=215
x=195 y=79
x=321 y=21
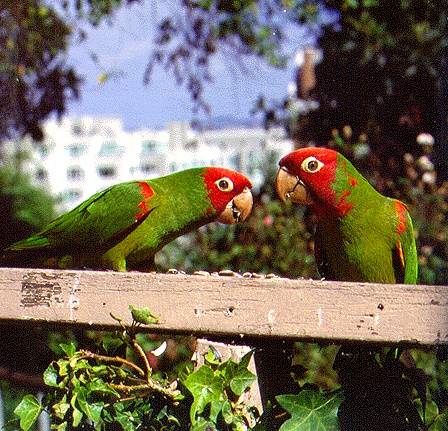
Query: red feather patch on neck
x=219 y=198
x=146 y=192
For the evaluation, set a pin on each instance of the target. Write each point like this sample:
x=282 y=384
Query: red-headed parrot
x=122 y=227
x=361 y=235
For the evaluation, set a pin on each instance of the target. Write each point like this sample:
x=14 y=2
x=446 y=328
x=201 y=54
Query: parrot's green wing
x=404 y=255
x=98 y=223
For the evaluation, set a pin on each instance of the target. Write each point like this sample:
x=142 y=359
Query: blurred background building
x=80 y=156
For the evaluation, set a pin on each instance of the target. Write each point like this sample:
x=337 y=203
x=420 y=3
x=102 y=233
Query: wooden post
x=235 y=352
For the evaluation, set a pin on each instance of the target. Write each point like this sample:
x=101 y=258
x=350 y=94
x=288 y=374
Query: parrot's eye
x=225 y=184
x=311 y=165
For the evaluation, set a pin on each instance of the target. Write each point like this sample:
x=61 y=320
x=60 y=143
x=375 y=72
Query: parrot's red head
x=309 y=176
x=229 y=193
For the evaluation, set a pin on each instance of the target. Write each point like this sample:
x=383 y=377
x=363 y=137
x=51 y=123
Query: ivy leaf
x=431 y=410
x=62 y=367
x=143 y=315
x=236 y=375
x=76 y=413
x=98 y=385
x=311 y=410
x=206 y=388
x=203 y=425
x=227 y=413
x=111 y=343
x=125 y=422
x=69 y=349
x=212 y=356
x=61 y=427
x=77 y=416
x=59 y=409
x=244 y=362
x=28 y=411
x=241 y=381
x=51 y=376
x=92 y=410
x=440 y=423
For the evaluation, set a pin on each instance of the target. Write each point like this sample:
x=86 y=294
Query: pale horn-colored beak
x=290 y=187
x=238 y=209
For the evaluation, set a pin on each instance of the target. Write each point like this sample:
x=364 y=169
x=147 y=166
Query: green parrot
x=361 y=235
x=123 y=226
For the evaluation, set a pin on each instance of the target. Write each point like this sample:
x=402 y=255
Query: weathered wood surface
x=209 y=305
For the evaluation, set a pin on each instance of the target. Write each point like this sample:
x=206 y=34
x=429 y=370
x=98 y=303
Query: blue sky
x=124 y=48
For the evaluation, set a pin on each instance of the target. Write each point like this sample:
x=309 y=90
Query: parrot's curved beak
x=291 y=187
x=238 y=209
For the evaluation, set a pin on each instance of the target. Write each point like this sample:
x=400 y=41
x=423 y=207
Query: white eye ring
x=224 y=184
x=311 y=165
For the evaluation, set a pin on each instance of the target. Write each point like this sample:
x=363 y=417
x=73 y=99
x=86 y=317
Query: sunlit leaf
x=440 y=423
x=91 y=409
x=143 y=315
x=431 y=410
x=242 y=381
x=206 y=389
x=51 y=376
x=311 y=410
x=99 y=385
x=28 y=411
x=60 y=409
x=69 y=349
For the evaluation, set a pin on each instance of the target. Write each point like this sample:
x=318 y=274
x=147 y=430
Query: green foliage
x=96 y=391
x=376 y=388
x=311 y=410
x=28 y=411
x=34 y=82
x=217 y=387
x=25 y=208
x=143 y=315
x=313 y=364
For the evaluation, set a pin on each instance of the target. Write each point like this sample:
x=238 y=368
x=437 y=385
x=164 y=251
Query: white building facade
x=81 y=156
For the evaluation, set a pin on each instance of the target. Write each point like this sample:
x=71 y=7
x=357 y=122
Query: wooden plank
x=233 y=306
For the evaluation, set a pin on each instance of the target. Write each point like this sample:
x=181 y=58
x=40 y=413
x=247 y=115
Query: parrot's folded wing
x=98 y=223
x=404 y=255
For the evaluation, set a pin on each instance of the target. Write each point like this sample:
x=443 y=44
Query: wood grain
x=232 y=306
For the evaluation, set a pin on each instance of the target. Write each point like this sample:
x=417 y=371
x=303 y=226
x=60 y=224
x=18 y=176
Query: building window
x=148 y=148
x=111 y=149
x=191 y=145
x=72 y=195
x=76 y=129
x=235 y=162
x=148 y=168
x=41 y=174
x=75 y=173
x=43 y=151
x=76 y=150
x=107 y=171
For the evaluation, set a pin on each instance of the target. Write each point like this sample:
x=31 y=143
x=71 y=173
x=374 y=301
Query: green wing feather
x=408 y=265
x=96 y=224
